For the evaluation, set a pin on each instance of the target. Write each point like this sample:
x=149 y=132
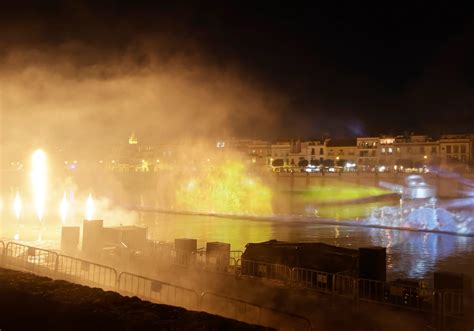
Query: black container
x=373 y=263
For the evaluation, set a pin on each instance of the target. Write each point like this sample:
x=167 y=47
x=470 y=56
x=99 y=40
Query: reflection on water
x=410 y=254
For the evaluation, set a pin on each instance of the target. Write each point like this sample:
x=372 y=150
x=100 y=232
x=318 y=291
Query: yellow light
x=38 y=180
x=17 y=205
x=425 y=157
x=227 y=189
x=89 y=207
x=63 y=209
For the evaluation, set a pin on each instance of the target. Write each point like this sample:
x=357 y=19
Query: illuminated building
x=367 y=150
x=133 y=139
x=341 y=151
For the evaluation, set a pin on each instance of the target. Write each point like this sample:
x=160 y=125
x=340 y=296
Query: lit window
x=390 y=150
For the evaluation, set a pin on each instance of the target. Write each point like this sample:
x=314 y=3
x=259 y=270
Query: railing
x=321 y=281
x=31 y=259
x=394 y=294
x=2 y=250
x=452 y=303
x=265 y=270
x=183 y=258
x=161 y=251
x=236 y=255
x=449 y=310
x=251 y=313
x=85 y=272
x=234 y=263
x=157 y=291
x=344 y=285
x=446 y=306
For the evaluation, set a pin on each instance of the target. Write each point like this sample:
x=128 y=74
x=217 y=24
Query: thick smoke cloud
x=74 y=93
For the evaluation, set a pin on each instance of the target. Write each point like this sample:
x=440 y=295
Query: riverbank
x=29 y=302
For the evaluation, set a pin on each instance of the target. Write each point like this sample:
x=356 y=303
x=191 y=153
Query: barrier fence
x=2 y=250
x=31 y=259
x=452 y=303
x=344 y=285
x=250 y=313
x=318 y=280
x=236 y=255
x=157 y=291
x=85 y=272
x=394 y=294
x=265 y=270
x=444 y=305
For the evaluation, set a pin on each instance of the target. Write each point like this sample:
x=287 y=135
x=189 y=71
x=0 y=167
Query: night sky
x=344 y=68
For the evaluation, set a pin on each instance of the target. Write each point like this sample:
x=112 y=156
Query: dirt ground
x=29 y=302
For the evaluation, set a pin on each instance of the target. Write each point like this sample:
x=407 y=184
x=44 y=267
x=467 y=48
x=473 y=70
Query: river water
x=409 y=254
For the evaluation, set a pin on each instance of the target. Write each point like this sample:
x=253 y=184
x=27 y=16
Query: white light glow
x=89 y=207
x=64 y=209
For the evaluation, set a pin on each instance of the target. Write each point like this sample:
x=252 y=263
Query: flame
x=89 y=207
x=38 y=180
x=64 y=208
x=17 y=205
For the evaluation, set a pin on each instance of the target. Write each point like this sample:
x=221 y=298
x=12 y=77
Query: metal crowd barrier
x=236 y=255
x=318 y=280
x=265 y=270
x=157 y=291
x=161 y=251
x=31 y=259
x=447 y=306
x=2 y=251
x=394 y=294
x=183 y=258
x=449 y=310
x=85 y=272
x=344 y=285
x=251 y=313
x=452 y=303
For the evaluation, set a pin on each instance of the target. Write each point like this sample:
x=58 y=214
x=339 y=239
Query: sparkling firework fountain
x=89 y=212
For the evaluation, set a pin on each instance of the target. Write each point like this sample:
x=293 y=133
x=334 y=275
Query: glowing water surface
x=409 y=254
